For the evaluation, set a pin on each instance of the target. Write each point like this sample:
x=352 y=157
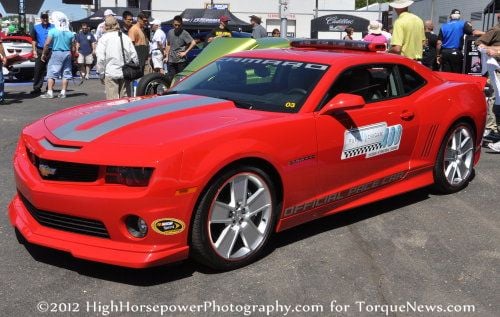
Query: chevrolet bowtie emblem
x=46 y=170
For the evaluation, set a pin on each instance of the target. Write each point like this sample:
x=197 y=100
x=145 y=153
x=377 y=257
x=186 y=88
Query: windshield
x=257 y=84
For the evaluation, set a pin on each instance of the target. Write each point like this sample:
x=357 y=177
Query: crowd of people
x=415 y=39
x=144 y=43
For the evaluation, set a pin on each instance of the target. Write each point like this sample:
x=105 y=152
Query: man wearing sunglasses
x=138 y=38
x=128 y=21
x=39 y=35
x=179 y=43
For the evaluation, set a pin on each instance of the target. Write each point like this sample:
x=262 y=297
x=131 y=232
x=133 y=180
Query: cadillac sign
x=339 y=22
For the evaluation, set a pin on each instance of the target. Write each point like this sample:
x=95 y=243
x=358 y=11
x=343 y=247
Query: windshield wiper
x=241 y=103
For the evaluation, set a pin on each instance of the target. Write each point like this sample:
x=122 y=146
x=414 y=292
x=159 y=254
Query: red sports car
x=254 y=143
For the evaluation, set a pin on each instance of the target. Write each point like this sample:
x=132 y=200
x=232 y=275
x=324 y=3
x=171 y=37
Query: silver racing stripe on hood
x=69 y=131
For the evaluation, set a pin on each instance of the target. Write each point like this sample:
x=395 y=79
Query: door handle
x=407 y=115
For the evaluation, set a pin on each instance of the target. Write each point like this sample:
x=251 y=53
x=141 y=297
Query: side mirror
x=342 y=102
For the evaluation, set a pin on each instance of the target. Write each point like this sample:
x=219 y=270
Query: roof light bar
x=339 y=44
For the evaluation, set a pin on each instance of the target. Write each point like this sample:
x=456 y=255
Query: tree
x=363 y=3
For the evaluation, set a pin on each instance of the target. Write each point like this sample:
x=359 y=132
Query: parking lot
x=405 y=256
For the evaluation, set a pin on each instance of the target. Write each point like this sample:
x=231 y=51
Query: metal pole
x=284 y=21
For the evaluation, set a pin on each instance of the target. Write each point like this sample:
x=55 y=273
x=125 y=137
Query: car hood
x=146 y=121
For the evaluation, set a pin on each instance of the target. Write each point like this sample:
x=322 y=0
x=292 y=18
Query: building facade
x=299 y=12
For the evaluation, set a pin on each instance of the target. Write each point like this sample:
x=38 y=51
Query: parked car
x=20 y=61
x=254 y=143
x=155 y=83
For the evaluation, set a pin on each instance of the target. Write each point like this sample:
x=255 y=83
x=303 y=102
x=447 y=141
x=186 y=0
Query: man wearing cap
x=451 y=41
x=38 y=36
x=100 y=28
x=179 y=43
x=157 y=46
x=258 y=30
x=408 y=34
x=222 y=30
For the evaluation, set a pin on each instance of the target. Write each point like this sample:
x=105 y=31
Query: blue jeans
x=2 y=81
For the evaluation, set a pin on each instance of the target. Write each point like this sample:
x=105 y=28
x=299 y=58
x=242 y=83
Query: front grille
x=64 y=171
x=66 y=223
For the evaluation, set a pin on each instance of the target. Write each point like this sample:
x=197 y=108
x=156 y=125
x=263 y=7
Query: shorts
x=59 y=65
x=87 y=59
x=157 y=58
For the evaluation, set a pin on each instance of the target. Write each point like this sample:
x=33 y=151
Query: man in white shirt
x=157 y=46
x=110 y=59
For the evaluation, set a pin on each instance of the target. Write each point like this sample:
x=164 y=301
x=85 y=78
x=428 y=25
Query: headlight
x=129 y=176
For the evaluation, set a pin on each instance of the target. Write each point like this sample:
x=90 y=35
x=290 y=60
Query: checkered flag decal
x=362 y=150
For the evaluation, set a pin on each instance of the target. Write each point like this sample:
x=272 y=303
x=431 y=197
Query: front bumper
x=91 y=248
x=107 y=204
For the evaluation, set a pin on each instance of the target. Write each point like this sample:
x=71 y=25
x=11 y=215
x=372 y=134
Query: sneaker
x=494 y=146
x=61 y=96
x=47 y=96
x=493 y=136
x=87 y=76
x=486 y=132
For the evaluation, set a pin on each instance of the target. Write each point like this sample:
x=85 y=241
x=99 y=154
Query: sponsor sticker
x=371 y=140
x=168 y=226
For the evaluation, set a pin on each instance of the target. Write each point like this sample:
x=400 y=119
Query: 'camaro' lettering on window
x=320 y=67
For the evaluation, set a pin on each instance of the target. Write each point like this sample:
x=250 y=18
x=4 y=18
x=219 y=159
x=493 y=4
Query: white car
x=20 y=61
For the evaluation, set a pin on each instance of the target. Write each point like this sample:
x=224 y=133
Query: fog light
x=136 y=226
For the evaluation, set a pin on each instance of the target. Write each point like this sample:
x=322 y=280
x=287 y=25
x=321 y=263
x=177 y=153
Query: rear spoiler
x=478 y=80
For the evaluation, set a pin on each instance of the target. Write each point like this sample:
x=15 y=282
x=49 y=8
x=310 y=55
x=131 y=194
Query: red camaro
x=254 y=143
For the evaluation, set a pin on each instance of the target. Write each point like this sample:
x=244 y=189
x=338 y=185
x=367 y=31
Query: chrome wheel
x=239 y=217
x=458 y=156
x=156 y=88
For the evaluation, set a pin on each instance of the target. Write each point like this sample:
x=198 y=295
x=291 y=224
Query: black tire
x=248 y=230
x=454 y=168
x=153 y=84
x=25 y=75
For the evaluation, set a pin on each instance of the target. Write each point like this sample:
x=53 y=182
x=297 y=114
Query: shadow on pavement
x=347 y=218
x=18 y=97
x=176 y=271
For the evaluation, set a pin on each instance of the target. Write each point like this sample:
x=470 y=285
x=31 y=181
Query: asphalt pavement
x=403 y=256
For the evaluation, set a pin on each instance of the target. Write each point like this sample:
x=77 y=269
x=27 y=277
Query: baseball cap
x=109 y=12
x=156 y=22
x=455 y=11
x=224 y=18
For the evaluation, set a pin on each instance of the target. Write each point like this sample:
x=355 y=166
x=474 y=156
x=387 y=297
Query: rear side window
x=411 y=80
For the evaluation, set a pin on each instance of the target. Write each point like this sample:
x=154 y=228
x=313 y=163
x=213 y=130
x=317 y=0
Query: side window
x=372 y=82
x=410 y=80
